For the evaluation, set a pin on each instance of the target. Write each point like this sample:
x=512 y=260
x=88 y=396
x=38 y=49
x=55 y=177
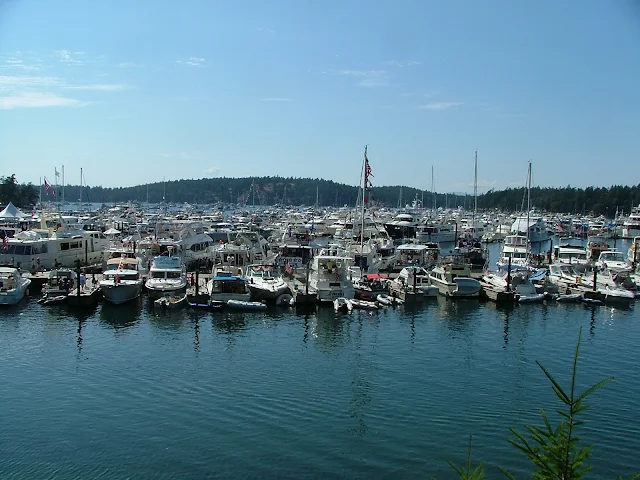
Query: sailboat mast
x=81 y=189
x=433 y=192
x=528 y=200
x=475 y=191
x=364 y=193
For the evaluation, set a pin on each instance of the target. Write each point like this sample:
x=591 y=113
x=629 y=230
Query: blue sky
x=134 y=92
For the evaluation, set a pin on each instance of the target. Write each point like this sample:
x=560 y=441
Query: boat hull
x=15 y=295
x=121 y=293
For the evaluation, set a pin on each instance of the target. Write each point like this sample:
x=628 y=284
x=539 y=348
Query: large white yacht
x=329 y=277
x=435 y=232
x=535 y=225
x=452 y=276
x=54 y=247
x=631 y=226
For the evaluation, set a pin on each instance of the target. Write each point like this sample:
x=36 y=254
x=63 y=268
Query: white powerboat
x=121 y=282
x=13 y=286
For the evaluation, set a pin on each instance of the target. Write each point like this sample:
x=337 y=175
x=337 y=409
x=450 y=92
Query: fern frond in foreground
x=556 y=452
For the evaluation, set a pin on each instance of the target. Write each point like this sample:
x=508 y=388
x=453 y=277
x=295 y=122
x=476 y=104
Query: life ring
x=339 y=264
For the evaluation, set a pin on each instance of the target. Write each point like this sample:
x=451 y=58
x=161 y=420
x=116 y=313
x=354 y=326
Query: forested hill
x=308 y=191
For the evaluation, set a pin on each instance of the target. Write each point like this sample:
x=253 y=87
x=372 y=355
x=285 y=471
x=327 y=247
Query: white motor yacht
x=453 y=278
x=265 y=282
x=167 y=276
x=121 y=282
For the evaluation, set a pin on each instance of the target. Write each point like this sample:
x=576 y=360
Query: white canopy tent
x=11 y=212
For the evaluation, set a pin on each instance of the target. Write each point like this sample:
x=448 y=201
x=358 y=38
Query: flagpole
x=63 y=187
x=40 y=194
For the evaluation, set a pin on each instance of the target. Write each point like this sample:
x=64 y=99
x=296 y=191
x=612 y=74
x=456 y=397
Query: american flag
x=47 y=186
x=367 y=173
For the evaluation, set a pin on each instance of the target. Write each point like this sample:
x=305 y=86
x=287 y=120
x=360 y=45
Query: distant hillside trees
x=263 y=191
x=23 y=196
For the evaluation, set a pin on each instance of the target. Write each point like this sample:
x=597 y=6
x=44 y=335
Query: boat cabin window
x=64 y=246
x=174 y=274
x=228 y=286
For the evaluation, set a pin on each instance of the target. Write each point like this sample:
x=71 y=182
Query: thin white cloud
x=266 y=30
x=440 y=105
x=99 y=87
x=396 y=63
x=68 y=57
x=192 y=62
x=276 y=99
x=213 y=171
x=16 y=81
x=37 y=100
x=368 y=78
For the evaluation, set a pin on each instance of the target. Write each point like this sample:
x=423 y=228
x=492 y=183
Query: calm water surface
x=123 y=392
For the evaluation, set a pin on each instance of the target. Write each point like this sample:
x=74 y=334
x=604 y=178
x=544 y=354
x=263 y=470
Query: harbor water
x=129 y=392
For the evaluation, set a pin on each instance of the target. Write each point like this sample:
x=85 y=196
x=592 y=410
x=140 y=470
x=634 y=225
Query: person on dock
x=83 y=280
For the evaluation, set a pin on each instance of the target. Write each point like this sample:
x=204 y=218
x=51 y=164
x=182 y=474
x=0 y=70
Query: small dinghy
x=364 y=304
x=171 y=302
x=592 y=301
x=206 y=306
x=342 y=304
x=385 y=299
x=243 y=305
x=569 y=297
x=285 y=300
x=535 y=298
x=55 y=300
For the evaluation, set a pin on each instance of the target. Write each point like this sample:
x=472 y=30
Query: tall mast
x=364 y=193
x=62 y=187
x=528 y=200
x=475 y=191
x=81 y=189
x=433 y=192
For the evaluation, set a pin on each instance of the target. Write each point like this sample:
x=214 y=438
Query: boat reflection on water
x=459 y=315
x=121 y=316
x=329 y=329
x=230 y=321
